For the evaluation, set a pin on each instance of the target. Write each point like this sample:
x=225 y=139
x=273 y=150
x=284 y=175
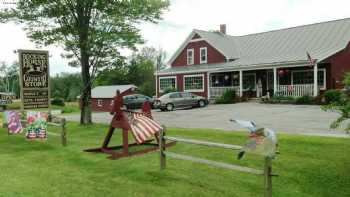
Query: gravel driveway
x=301 y=119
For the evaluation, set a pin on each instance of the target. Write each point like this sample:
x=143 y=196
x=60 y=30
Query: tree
x=138 y=70
x=341 y=106
x=91 y=31
x=66 y=86
x=9 y=81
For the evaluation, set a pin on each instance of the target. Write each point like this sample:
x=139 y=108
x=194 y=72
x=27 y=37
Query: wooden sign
x=34 y=79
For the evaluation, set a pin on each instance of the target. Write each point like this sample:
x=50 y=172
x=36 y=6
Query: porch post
x=240 y=83
x=156 y=85
x=315 y=80
x=208 y=84
x=274 y=80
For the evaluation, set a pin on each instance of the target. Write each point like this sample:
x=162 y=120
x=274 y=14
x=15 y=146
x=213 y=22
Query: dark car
x=135 y=101
x=174 y=100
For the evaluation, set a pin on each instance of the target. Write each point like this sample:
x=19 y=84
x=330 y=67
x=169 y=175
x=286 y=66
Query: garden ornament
x=262 y=141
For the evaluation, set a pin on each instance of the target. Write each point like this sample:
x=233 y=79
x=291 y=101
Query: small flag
x=37 y=125
x=312 y=62
x=143 y=127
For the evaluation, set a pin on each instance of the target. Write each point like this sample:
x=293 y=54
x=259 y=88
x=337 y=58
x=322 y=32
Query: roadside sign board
x=34 y=79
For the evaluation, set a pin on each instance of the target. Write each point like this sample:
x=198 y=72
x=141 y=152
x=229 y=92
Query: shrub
x=14 y=105
x=284 y=98
x=168 y=90
x=58 y=102
x=332 y=96
x=229 y=96
x=304 y=100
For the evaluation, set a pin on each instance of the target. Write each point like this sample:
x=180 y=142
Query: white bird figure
x=261 y=140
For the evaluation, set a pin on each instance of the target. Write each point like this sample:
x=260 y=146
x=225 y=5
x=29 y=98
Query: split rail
x=266 y=172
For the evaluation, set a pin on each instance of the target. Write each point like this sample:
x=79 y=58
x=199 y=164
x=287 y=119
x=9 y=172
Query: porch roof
x=227 y=66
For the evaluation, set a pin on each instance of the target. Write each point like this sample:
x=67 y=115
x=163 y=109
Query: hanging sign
x=34 y=79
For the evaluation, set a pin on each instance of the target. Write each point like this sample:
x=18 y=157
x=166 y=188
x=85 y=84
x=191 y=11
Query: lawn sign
x=14 y=125
x=37 y=125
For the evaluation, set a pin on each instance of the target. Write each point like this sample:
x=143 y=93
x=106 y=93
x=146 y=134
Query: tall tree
x=91 y=31
x=9 y=78
x=138 y=70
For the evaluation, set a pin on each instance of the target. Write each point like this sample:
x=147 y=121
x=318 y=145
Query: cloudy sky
x=241 y=17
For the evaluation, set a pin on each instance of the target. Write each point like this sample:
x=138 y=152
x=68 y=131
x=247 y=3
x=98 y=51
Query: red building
x=102 y=96
x=273 y=62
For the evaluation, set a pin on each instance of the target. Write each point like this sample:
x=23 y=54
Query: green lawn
x=307 y=166
x=70 y=107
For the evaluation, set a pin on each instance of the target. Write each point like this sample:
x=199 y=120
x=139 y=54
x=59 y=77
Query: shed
x=102 y=96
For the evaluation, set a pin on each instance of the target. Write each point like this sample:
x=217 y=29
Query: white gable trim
x=196 y=40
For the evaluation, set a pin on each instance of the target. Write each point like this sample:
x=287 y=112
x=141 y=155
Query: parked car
x=174 y=100
x=3 y=104
x=135 y=101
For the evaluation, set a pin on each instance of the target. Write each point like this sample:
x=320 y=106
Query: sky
x=240 y=16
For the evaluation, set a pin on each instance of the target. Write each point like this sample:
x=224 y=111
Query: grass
x=70 y=107
x=308 y=166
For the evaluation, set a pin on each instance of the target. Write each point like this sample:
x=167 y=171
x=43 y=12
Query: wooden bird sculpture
x=262 y=141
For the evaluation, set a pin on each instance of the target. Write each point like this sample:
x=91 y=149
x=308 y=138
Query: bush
x=14 y=105
x=168 y=90
x=58 y=102
x=304 y=100
x=332 y=96
x=229 y=96
x=283 y=98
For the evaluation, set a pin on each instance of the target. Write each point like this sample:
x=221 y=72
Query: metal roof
x=109 y=91
x=320 y=40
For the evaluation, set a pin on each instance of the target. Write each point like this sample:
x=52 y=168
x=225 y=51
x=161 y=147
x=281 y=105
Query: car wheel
x=169 y=107
x=201 y=103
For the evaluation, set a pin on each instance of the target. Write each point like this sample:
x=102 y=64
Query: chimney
x=223 y=28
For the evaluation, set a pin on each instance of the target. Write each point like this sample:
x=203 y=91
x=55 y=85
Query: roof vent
x=223 y=28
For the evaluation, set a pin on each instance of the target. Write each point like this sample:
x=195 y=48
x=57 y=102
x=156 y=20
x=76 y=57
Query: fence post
x=64 y=132
x=268 y=177
x=162 y=149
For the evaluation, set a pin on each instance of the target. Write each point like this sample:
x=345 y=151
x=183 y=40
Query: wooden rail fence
x=266 y=172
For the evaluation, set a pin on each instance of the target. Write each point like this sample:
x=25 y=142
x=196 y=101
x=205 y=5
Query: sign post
x=34 y=79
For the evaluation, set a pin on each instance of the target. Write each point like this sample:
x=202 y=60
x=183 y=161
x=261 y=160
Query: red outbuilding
x=102 y=96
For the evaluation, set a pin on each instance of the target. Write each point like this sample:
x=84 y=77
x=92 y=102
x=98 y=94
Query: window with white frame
x=190 y=56
x=307 y=77
x=99 y=102
x=167 y=83
x=203 y=55
x=249 y=81
x=194 y=83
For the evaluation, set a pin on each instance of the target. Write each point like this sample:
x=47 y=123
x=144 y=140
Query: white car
x=174 y=100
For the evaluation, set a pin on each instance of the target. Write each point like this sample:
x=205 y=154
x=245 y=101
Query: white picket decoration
x=295 y=90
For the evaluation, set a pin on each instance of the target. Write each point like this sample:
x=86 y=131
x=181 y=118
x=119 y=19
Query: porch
x=282 y=81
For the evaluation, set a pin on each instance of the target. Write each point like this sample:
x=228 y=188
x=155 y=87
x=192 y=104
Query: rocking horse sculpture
x=141 y=124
